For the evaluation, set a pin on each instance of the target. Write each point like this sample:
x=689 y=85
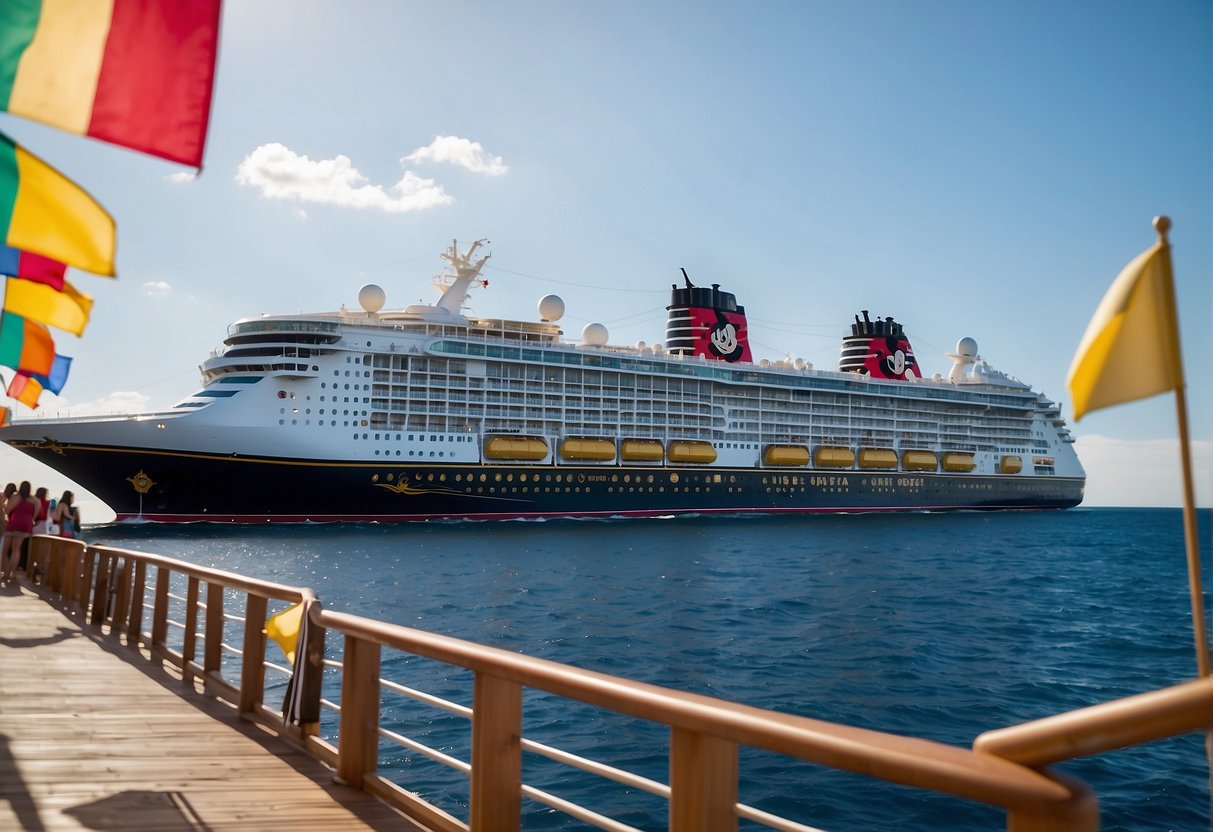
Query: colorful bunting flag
x=26 y=345
x=25 y=389
x=137 y=73
x=17 y=263
x=5 y=417
x=68 y=310
x=44 y=212
x=57 y=377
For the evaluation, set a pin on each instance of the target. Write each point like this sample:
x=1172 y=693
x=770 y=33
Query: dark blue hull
x=171 y=486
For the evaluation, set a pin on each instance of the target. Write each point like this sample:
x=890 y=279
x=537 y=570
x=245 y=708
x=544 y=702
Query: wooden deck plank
x=92 y=736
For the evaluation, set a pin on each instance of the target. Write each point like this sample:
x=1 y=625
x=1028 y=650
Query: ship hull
x=174 y=486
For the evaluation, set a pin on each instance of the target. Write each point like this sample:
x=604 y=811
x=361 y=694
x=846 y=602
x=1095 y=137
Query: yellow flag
x=1131 y=347
x=68 y=309
x=283 y=628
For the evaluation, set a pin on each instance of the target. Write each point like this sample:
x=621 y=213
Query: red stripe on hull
x=593 y=515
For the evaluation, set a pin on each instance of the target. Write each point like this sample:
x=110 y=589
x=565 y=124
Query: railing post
x=189 y=642
x=160 y=608
x=35 y=557
x=85 y=578
x=496 y=787
x=212 y=655
x=358 y=738
x=101 y=591
x=703 y=782
x=120 y=589
x=52 y=558
x=252 y=668
x=313 y=680
x=134 y=624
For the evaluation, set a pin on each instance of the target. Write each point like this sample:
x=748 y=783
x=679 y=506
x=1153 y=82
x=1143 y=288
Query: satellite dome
x=966 y=347
x=641 y=346
x=594 y=335
x=551 y=308
x=371 y=297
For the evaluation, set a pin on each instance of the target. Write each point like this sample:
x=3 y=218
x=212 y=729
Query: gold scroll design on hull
x=141 y=482
x=406 y=488
x=45 y=443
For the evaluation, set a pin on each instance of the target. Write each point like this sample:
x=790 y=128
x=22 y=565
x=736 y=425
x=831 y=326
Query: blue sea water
x=934 y=625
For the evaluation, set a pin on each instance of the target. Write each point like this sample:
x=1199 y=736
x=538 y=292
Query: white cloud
x=183 y=176
x=157 y=289
x=462 y=152
x=281 y=173
x=1145 y=472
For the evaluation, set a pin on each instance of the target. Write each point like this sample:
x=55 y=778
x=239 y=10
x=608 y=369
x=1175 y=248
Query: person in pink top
x=21 y=509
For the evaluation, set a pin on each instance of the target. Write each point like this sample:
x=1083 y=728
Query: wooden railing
x=108 y=587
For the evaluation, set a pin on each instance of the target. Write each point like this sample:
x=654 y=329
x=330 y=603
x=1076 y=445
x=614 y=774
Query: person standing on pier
x=21 y=509
x=9 y=490
x=67 y=515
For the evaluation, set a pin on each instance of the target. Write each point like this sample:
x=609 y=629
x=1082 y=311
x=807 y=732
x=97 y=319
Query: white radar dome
x=371 y=297
x=966 y=347
x=594 y=335
x=551 y=308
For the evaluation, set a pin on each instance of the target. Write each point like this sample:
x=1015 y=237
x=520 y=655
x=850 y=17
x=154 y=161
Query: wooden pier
x=93 y=736
x=133 y=696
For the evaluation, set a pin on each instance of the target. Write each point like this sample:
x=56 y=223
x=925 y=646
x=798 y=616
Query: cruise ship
x=432 y=412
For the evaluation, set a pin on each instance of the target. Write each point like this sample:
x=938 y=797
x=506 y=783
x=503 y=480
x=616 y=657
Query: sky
x=971 y=169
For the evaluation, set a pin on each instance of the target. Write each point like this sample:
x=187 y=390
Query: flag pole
x=1191 y=540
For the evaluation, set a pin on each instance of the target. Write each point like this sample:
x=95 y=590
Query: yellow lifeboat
x=516 y=447
x=699 y=453
x=1010 y=465
x=641 y=450
x=877 y=458
x=958 y=462
x=588 y=448
x=919 y=461
x=832 y=456
x=786 y=455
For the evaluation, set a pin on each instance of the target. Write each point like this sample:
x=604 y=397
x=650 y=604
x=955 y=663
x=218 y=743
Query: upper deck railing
x=167 y=607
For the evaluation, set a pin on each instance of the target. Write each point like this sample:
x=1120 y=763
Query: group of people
x=23 y=514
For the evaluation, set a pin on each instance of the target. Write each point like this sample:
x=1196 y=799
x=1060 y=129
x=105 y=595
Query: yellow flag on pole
x=1131 y=347
x=283 y=628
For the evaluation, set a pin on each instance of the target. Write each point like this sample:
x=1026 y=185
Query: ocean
x=934 y=625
